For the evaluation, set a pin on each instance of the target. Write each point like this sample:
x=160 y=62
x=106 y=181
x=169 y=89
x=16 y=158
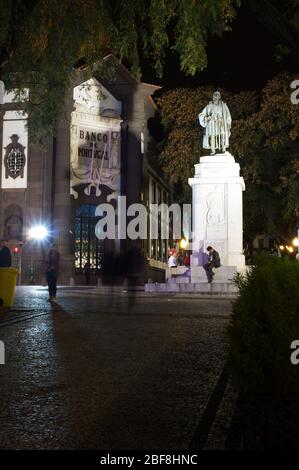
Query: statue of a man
x=216 y=120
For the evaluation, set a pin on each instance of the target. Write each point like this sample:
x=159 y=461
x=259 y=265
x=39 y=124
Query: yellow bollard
x=8 y=280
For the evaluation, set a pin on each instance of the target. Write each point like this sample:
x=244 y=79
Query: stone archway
x=13 y=222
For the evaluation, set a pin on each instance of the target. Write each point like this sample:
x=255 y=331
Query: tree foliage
x=42 y=41
x=265 y=316
x=280 y=18
x=264 y=140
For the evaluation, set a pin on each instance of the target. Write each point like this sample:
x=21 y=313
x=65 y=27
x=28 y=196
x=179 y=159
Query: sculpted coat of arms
x=14 y=159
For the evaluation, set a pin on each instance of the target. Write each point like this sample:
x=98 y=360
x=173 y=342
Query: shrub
x=264 y=323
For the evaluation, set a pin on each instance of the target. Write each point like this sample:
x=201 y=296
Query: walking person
x=52 y=270
x=5 y=255
x=213 y=262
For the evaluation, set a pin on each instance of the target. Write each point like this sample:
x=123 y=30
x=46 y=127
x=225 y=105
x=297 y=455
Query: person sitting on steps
x=213 y=262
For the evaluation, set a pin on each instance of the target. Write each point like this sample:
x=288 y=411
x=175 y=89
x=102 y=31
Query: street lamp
x=296 y=245
x=183 y=244
x=38 y=232
x=295 y=242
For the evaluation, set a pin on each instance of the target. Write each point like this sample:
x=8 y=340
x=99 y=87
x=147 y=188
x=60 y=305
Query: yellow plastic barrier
x=8 y=279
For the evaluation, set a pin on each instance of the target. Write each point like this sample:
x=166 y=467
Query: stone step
x=224 y=273
x=178 y=280
x=179 y=270
x=200 y=288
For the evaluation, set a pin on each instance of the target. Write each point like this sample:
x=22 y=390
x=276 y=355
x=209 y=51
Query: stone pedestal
x=217 y=214
x=217 y=221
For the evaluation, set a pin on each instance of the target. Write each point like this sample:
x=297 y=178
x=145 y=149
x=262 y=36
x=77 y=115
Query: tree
x=42 y=42
x=281 y=20
x=264 y=140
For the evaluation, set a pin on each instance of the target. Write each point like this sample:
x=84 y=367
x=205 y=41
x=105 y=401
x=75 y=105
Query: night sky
x=241 y=59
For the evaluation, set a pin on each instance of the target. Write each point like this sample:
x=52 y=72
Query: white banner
x=95 y=159
x=14 y=161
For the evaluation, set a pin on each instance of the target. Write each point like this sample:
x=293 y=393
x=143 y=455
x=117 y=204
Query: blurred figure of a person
x=172 y=261
x=52 y=269
x=180 y=258
x=87 y=272
x=5 y=255
x=186 y=260
x=213 y=262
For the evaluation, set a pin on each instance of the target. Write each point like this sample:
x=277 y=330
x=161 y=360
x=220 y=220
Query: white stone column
x=217 y=212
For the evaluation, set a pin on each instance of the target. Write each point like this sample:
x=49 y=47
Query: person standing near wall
x=5 y=255
x=52 y=269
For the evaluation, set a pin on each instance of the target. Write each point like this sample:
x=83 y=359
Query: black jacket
x=5 y=257
x=215 y=258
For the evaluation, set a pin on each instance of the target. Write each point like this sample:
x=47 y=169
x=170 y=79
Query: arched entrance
x=88 y=249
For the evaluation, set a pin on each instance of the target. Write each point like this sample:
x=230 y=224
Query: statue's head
x=14 y=138
x=216 y=96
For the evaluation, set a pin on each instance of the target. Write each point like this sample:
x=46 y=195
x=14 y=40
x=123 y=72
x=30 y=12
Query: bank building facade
x=99 y=152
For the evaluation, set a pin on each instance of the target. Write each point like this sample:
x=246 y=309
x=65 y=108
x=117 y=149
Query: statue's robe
x=217 y=126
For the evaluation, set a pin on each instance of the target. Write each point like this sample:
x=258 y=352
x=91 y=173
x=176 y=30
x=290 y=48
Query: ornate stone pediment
x=92 y=97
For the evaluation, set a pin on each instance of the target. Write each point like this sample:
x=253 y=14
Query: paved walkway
x=104 y=369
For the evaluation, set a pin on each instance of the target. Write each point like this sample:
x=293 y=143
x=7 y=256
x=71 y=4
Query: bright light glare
x=183 y=244
x=281 y=247
x=39 y=232
x=295 y=242
x=290 y=249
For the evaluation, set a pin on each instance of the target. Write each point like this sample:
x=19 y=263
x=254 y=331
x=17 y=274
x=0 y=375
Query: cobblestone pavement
x=103 y=369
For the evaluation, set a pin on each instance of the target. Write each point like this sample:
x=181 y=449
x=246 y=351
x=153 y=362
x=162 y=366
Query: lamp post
x=20 y=262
